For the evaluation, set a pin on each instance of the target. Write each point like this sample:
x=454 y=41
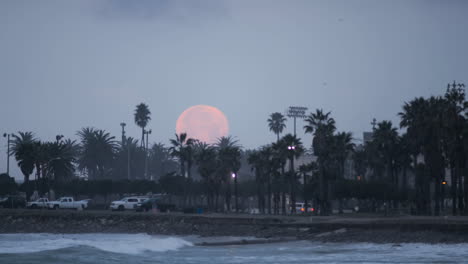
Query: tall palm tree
x=229 y=156
x=322 y=126
x=179 y=150
x=343 y=147
x=205 y=158
x=255 y=161
x=161 y=161
x=456 y=106
x=23 y=150
x=280 y=157
x=61 y=160
x=385 y=138
x=142 y=117
x=295 y=150
x=97 y=151
x=276 y=123
x=424 y=119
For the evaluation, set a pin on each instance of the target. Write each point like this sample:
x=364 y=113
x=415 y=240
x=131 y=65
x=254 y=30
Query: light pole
x=292 y=149
x=7 y=135
x=123 y=133
x=234 y=176
x=146 y=132
x=296 y=112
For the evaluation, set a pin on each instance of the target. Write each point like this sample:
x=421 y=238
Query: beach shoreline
x=343 y=229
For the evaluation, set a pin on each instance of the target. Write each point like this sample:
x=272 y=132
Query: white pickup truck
x=127 y=203
x=39 y=203
x=68 y=203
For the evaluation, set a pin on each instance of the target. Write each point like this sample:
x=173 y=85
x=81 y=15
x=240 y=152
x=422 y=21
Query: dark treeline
x=433 y=150
x=415 y=165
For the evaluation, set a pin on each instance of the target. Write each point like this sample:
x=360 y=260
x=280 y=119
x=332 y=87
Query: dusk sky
x=65 y=65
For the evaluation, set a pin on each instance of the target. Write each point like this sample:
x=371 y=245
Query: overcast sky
x=65 y=65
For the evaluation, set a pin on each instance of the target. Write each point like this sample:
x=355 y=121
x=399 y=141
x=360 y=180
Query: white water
x=117 y=243
x=142 y=248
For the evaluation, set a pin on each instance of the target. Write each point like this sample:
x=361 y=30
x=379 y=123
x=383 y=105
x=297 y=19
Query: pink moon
x=203 y=122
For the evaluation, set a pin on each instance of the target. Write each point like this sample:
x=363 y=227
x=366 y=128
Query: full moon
x=203 y=122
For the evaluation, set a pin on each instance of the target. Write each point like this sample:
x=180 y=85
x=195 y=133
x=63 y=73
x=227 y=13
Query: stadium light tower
x=296 y=112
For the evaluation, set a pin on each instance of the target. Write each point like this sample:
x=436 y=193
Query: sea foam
x=117 y=243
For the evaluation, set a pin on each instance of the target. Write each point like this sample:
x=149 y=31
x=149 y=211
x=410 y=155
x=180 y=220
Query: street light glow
x=233 y=175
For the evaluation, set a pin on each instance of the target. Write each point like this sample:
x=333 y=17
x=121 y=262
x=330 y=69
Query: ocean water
x=143 y=248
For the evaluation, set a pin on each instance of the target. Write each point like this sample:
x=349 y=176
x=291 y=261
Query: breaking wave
x=117 y=243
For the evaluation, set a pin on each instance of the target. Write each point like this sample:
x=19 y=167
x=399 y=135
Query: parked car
x=68 y=203
x=13 y=201
x=155 y=203
x=300 y=208
x=127 y=203
x=39 y=203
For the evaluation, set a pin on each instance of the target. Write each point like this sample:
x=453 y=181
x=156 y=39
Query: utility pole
x=296 y=112
x=123 y=133
x=128 y=159
x=146 y=132
x=8 y=152
x=125 y=143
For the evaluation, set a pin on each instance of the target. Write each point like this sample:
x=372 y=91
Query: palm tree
x=161 y=161
x=322 y=126
x=295 y=150
x=257 y=165
x=229 y=157
x=142 y=117
x=97 y=151
x=343 y=147
x=269 y=166
x=61 y=160
x=276 y=123
x=179 y=150
x=182 y=149
x=385 y=138
x=424 y=119
x=23 y=150
x=280 y=157
x=453 y=141
x=205 y=158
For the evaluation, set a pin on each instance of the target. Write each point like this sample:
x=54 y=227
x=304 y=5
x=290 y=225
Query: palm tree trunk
x=235 y=193
x=461 y=204
x=293 y=186
x=453 y=187
x=306 y=205
x=465 y=189
x=228 y=196
x=283 y=197
x=268 y=192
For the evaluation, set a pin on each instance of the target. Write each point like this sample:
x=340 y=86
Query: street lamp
x=6 y=135
x=291 y=149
